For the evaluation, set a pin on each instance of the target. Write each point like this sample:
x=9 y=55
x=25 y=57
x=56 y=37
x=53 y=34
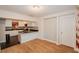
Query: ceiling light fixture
x=36 y=6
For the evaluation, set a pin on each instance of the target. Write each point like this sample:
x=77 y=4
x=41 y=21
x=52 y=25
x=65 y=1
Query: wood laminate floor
x=38 y=46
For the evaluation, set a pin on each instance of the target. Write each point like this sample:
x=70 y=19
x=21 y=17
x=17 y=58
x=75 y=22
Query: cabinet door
x=8 y=23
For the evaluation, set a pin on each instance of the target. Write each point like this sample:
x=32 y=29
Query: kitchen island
x=27 y=36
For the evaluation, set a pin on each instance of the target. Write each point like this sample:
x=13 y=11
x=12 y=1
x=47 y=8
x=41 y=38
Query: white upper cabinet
x=8 y=23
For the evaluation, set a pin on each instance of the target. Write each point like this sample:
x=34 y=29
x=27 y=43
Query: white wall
x=2 y=30
x=40 y=27
x=60 y=13
x=14 y=15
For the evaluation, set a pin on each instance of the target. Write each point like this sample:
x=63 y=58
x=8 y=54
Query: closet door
x=67 y=30
x=50 y=29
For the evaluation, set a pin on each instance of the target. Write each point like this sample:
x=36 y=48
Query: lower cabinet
x=24 y=37
x=10 y=41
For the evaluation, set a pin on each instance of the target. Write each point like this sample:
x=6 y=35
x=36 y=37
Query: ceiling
x=42 y=10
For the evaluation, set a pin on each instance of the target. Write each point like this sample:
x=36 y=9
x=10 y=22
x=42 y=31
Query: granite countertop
x=28 y=31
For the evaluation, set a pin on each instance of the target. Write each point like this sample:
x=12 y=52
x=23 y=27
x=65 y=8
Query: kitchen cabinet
x=22 y=23
x=12 y=33
x=24 y=37
x=8 y=23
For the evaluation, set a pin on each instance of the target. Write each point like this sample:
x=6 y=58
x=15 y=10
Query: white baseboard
x=58 y=43
x=50 y=41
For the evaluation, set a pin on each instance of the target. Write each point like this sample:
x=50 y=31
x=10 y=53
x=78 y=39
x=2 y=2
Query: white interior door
x=50 y=29
x=67 y=29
